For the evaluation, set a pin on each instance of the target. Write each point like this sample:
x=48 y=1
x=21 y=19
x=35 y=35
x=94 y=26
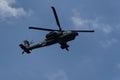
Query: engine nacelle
x=51 y=35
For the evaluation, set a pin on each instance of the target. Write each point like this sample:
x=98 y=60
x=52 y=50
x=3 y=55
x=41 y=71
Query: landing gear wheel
x=65 y=47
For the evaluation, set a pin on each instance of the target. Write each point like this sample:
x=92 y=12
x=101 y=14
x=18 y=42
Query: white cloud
x=79 y=22
x=59 y=75
x=108 y=43
x=106 y=28
x=98 y=25
x=6 y=10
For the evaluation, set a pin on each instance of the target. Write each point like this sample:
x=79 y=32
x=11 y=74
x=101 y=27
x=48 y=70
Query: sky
x=92 y=56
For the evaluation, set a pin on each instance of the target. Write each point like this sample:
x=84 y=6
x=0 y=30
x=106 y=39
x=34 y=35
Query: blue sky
x=92 y=56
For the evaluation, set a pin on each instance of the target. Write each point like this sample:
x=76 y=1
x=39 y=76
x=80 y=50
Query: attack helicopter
x=54 y=36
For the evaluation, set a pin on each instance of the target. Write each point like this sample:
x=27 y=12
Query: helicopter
x=54 y=36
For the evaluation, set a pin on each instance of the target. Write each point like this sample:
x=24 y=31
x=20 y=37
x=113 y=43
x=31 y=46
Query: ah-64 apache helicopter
x=54 y=36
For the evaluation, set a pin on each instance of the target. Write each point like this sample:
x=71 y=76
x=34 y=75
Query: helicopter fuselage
x=61 y=36
x=56 y=37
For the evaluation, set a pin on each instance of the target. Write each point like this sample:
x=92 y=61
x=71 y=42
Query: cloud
x=59 y=75
x=106 y=28
x=6 y=10
x=103 y=30
x=108 y=43
x=79 y=22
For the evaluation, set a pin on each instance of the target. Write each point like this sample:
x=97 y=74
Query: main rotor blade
x=56 y=17
x=44 y=29
x=83 y=30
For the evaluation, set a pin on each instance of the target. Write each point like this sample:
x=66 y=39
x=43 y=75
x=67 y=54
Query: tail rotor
x=25 y=46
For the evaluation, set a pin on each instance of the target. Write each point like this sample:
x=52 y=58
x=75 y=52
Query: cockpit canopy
x=53 y=35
